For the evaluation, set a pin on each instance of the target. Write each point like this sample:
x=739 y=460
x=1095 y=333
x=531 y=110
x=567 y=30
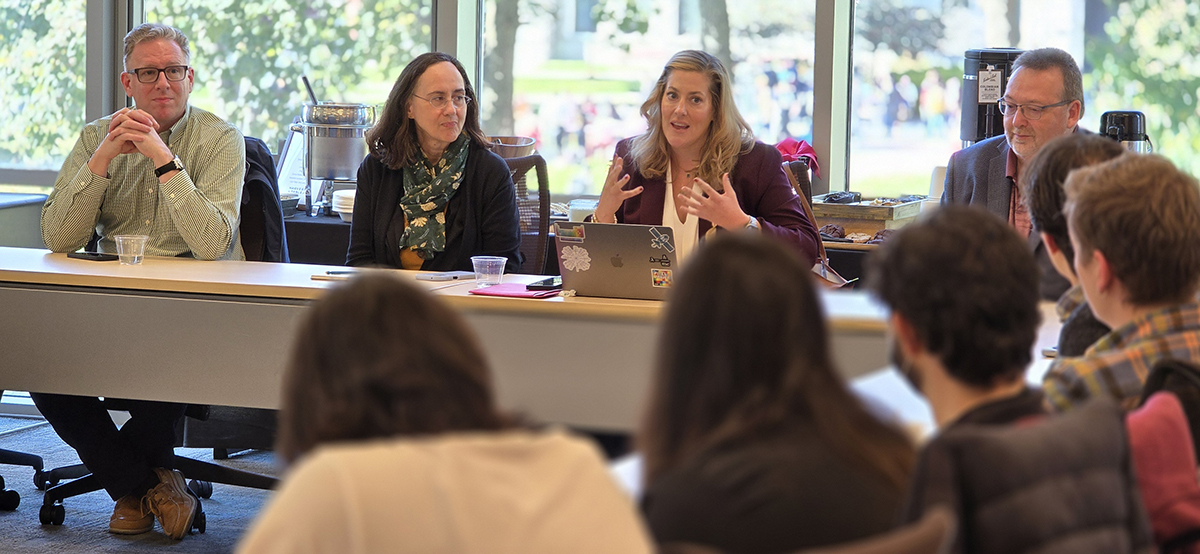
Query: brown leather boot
x=130 y=517
x=170 y=502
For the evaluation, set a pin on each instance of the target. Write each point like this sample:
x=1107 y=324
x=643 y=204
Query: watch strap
x=168 y=167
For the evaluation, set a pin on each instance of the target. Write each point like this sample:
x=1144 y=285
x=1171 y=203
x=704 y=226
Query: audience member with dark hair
x=396 y=444
x=752 y=442
x=1044 y=197
x=431 y=194
x=1135 y=227
x=962 y=289
x=963 y=294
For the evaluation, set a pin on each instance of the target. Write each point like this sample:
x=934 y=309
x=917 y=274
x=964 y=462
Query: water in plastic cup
x=131 y=248
x=489 y=270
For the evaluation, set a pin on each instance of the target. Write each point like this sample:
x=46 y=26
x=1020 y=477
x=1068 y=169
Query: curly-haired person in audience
x=963 y=293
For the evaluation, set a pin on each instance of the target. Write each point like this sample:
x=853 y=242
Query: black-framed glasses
x=150 y=74
x=1030 y=111
x=439 y=101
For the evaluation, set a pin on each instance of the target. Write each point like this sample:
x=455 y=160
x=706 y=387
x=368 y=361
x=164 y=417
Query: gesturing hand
x=721 y=208
x=612 y=196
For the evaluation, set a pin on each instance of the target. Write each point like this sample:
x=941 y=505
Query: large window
x=908 y=67
x=249 y=56
x=41 y=83
x=574 y=73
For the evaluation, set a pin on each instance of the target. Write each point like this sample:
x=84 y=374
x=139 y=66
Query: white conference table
x=192 y=331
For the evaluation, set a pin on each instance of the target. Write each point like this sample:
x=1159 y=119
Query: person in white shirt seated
x=395 y=444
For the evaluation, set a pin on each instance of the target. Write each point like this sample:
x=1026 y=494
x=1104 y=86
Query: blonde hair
x=147 y=32
x=728 y=135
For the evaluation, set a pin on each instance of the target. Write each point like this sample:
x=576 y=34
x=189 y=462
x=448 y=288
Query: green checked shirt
x=195 y=213
x=1118 y=364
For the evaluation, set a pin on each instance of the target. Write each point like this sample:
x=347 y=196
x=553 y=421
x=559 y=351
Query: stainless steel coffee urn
x=335 y=146
x=1128 y=128
x=985 y=78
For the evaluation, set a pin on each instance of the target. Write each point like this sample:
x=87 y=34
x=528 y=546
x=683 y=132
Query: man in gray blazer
x=1044 y=100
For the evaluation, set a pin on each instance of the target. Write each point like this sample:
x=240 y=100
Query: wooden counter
x=220 y=333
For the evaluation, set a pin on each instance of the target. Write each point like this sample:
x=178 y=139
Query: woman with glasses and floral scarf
x=430 y=193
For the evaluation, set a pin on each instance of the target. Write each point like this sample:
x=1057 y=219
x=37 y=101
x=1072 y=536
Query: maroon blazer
x=762 y=189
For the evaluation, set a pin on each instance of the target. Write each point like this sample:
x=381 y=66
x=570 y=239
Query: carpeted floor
x=85 y=530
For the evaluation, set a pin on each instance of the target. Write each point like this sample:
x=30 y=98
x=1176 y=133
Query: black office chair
x=534 y=212
x=263 y=238
x=10 y=499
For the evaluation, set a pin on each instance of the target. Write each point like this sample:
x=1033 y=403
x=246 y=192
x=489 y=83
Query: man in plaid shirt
x=1135 y=226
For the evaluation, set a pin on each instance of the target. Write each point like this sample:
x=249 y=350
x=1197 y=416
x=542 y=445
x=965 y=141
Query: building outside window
x=908 y=67
x=574 y=73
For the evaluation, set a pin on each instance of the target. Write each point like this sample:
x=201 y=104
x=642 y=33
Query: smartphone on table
x=446 y=276
x=93 y=256
x=550 y=283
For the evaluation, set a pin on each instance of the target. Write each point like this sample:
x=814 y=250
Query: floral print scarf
x=427 y=189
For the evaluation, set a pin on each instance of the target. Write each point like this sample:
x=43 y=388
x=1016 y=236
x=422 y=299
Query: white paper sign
x=291 y=166
x=989 y=87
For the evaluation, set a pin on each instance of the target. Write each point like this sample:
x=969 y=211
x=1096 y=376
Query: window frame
x=458 y=30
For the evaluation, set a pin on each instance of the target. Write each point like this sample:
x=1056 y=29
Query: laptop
x=612 y=260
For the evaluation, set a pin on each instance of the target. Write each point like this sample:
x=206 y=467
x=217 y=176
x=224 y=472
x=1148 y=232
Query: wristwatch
x=753 y=224
x=168 y=167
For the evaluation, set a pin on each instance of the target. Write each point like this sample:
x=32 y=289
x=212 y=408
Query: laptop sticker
x=576 y=258
x=663 y=261
x=661 y=278
x=660 y=241
x=570 y=233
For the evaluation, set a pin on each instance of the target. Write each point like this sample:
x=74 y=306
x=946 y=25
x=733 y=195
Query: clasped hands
x=700 y=200
x=130 y=131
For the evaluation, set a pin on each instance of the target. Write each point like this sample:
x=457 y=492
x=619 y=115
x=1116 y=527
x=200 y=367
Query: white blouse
x=687 y=233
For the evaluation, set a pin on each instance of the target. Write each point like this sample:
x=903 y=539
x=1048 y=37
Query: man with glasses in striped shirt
x=1043 y=101
x=172 y=172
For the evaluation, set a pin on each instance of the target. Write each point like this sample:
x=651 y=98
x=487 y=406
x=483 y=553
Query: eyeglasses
x=439 y=101
x=150 y=74
x=1031 y=112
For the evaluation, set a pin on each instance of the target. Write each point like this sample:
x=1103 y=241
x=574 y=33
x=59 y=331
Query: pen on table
x=341 y=272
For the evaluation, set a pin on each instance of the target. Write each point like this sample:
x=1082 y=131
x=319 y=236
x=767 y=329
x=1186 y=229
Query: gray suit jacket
x=976 y=175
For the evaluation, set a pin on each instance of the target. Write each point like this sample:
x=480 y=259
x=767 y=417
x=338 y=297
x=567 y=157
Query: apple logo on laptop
x=616 y=261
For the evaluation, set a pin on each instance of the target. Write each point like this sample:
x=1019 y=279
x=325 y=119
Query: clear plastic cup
x=131 y=248
x=489 y=270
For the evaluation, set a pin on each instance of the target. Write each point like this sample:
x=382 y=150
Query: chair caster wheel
x=52 y=515
x=9 y=500
x=199 y=523
x=203 y=489
x=41 y=481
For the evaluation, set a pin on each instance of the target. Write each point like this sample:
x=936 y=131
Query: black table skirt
x=325 y=239
x=317 y=240
x=848 y=263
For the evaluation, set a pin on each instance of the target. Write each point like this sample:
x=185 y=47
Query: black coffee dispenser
x=985 y=78
x=1128 y=128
